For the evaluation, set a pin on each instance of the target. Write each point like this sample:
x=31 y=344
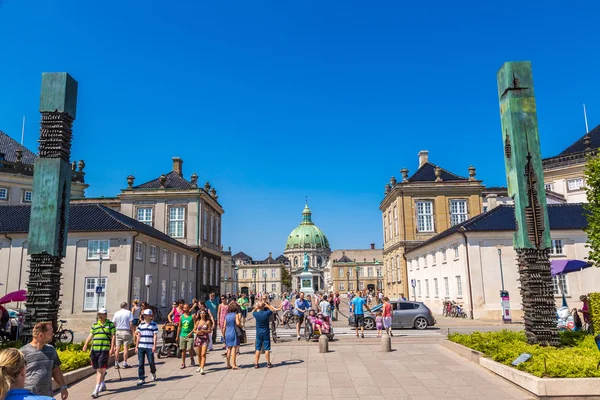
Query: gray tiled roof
x=426 y=173
x=580 y=146
x=174 y=181
x=9 y=146
x=83 y=218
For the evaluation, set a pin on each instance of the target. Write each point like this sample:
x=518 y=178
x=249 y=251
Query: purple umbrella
x=561 y=267
x=19 y=295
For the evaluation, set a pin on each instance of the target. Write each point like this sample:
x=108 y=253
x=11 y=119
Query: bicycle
x=63 y=335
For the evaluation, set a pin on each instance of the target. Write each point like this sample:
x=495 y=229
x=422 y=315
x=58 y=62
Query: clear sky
x=272 y=101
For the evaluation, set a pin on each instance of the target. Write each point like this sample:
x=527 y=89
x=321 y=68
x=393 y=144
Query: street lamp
x=254 y=270
x=501 y=272
x=348 y=280
x=504 y=295
x=235 y=282
x=265 y=276
x=99 y=286
x=357 y=268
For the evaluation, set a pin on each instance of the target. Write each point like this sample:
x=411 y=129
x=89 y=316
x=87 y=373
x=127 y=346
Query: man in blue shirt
x=300 y=306
x=358 y=304
x=262 y=316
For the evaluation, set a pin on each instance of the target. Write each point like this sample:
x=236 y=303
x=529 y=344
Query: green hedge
x=577 y=358
x=71 y=355
x=594 y=304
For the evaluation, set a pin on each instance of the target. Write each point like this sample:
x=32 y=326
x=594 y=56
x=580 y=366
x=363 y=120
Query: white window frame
x=458 y=211
x=350 y=285
x=427 y=288
x=217 y=230
x=175 y=260
x=273 y=273
x=273 y=287
x=565 y=285
x=456 y=252
x=98 y=246
x=163 y=293
x=205 y=272
x=25 y=193
x=575 y=184
x=94 y=281
x=165 y=257
x=436 y=288
x=447 y=286
x=192 y=262
x=444 y=255
x=361 y=285
x=191 y=291
x=3 y=193
x=144 y=215
x=341 y=273
x=557 y=244
x=396 y=220
x=139 y=251
x=205 y=224
x=212 y=228
x=153 y=253
x=183 y=292
x=425 y=216
x=177 y=222
x=419 y=288
x=425 y=261
x=459 y=292
x=211 y=276
x=433 y=258
x=341 y=286
x=174 y=292
x=183 y=262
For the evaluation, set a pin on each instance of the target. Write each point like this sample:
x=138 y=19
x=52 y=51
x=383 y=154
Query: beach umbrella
x=19 y=295
x=562 y=267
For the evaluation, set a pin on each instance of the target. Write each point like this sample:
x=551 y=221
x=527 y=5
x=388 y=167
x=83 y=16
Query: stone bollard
x=323 y=344
x=386 y=344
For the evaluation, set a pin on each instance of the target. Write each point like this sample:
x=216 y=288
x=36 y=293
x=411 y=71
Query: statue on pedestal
x=306 y=262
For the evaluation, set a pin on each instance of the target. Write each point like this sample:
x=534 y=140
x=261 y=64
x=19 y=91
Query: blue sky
x=273 y=101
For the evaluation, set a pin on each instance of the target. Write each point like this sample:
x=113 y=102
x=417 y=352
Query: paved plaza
x=418 y=368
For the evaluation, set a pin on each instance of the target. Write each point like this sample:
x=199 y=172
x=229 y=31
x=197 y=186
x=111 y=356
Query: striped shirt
x=146 y=332
x=102 y=335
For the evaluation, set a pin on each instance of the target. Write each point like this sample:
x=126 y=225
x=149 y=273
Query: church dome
x=307 y=235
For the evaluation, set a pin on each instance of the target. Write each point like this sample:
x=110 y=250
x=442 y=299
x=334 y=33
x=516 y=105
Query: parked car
x=405 y=314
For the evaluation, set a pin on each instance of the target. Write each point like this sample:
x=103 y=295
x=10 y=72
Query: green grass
x=576 y=358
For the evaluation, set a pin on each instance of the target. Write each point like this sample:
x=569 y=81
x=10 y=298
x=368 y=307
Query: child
x=322 y=323
x=379 y=323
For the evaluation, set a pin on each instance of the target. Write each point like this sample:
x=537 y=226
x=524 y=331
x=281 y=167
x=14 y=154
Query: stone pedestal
x=323 y=344
x=306 y=283
x=386 y=344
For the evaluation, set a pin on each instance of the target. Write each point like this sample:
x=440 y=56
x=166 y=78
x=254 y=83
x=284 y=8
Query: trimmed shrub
x=594 y=304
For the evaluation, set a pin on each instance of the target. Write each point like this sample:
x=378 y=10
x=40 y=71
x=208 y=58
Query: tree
x=592 y=183
x=286 y=278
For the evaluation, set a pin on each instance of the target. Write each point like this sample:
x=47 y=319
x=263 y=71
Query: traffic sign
x=413 y=283
x=98 y=289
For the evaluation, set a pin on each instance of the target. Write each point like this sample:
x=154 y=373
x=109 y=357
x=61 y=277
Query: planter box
x=544 y=388
x=81 y=373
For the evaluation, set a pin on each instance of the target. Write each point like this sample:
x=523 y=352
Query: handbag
x=239 y=332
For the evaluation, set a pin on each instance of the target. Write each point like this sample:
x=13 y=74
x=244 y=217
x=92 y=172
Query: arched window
x=205 y=271
x=319 y=261
x=295 y=261
x=212 y=272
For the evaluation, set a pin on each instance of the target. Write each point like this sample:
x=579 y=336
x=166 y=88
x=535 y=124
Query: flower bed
x=576 y=358
x=71 y=355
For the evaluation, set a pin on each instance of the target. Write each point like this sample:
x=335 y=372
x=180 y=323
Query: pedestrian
x=145 y=346
x=194 y=307
x=213 y=305
x=262 y=315
x=336 y=301
x=325 y=308
x=387 y=316
x=358 y=304
x=103 y=334
x=12 y=377
x=380 y=297
x=232 y=340
x=243 y=303
x=203 y=330
x=222 y=313
x=185 y=335
x=379 y=323
x=252 y=298
x=42 y=363
x=300 y=306
x=402 y=297
x=123 y=320
x=136 y=310
x=175 y=313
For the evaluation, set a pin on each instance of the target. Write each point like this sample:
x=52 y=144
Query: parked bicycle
x=63 y=335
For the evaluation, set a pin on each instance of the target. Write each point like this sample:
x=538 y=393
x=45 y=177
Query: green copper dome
x=307 y=234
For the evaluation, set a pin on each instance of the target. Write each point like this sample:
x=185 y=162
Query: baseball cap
x=102 y=311
x=147 y=311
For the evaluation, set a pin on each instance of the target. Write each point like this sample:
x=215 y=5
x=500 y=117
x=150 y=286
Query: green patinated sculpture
x=524 y=174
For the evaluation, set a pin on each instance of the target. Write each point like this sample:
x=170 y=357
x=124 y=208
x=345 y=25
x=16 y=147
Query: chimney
x=492 y=201
x=372 y=246
x=423 y=157
x=178 y=165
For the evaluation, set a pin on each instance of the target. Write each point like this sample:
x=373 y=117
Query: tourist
x=380 y=297
x=358 y=305
x=387 y=316
x=103 y=334
x=123 y=320
x=145 y=346
x=221 y=314
x=300 y=306
x=213 y=304
x=185 y=335
x=194 y=307
x=402 y=297
x=286 y=307
x=262 y=315
x=252 y=298
x=379 y=323
x=243 y=303
x=232 y=340
x=12 y=377
x=203 y=330
x=176 y=312
x=136 y=310
x=43 y=363
x=325 y=308
x=336 y=301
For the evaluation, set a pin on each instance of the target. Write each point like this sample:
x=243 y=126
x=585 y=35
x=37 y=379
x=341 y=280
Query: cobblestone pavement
x=418 y=368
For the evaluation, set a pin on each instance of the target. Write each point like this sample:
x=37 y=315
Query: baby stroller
x=170 y=347
x=316 y=326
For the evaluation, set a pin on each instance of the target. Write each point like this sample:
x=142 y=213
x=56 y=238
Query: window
x=173 y=291
x=458 y=286
x=205 y=272
x=205 y=215
x=370 y=272
x=264 y=287
x=557 y=247
x=139 y=251
x=165 y=257
x=435 y=288
x=273 y=273
x=350 y=285
x=3 y=194
x=395 y=221
x=212 y=228
x=419 y=287
x=97 y=248
x=433 y=258
x=211 y=277
x=175 y=260
x=182 y=290
x=191 y=291
x=407 y=306
x=458 y=212
x=562 y=279
x=177 y=222
x=217 y=272
x=341 y=272
x=361 y=285
x=384 y=229
x=163 y=293
x=426 y=287
x=418 y=261
x=425 y=261
x=424 y=216
x=575 y=184
x=244 y=274
x=351 y=270
x=456 y=252
x=183 y=262
x=341 y=285
x=217 y=237
x=273 y=287
x=444 y=255
x=192 y=261
x=153 y=254
x=548 y=186
x=27 y=196
x=447 y=287
x=145 y=215
x=93 y=300
x=410 y=265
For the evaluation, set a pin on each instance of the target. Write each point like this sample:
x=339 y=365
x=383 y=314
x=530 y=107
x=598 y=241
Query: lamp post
x=357 y=268
x=348 y=280
x=504 y=296
x=99 y=286
x=235 y=282
x=254 y=270
x=265 y=276
x=501 y=272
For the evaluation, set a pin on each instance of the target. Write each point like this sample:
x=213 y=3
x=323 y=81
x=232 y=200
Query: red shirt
x=387 y=310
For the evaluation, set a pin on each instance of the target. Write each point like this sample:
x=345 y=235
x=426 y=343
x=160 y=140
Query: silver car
x=405 y=314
